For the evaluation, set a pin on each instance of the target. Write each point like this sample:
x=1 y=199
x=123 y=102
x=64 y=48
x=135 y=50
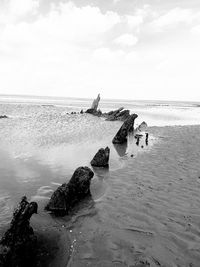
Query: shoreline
x=131 y=208
x=93 y=223
x=153 y=212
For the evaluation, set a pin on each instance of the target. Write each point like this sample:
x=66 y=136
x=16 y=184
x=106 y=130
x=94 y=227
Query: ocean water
x=156 y=113
x=40 y=147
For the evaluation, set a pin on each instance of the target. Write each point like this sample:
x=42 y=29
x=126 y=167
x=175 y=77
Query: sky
x=124 y=49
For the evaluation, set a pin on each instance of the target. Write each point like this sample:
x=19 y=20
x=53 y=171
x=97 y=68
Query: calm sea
x=155 y=113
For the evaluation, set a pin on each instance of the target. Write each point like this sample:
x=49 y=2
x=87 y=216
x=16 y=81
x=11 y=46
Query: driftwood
x=101 y=158
x=126 y=128
x=141 y=127
x=69 y=194
x=18 y=245
x=95 y=103
x=3 y=117
x=93 y=110
x=115 y=115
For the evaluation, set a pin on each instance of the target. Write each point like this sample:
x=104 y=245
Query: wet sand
x=144 y=211
x=149 y=214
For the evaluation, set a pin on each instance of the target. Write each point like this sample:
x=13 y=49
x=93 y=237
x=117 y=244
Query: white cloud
x=64 y=25
x=173 y=18
x=196 y=30
x=55 y=51
x=14 y=10
x=105 y=55
x=70 y=51
x=22 y=7
x=140 y=16
x=84 y=21
x=134 y=20
x=126 y=40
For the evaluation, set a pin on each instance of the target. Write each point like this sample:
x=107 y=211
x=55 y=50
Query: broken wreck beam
x=127 y=126
x=69 y=194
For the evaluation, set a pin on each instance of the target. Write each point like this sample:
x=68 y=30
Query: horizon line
x=83 y=98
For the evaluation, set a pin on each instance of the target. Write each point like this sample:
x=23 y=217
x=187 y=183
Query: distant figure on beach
x=146 y=140
x=95 y=103
x=138 y=141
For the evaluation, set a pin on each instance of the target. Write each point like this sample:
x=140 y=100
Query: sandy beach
x=144 y=209
x=99 y=133
x=149 y=214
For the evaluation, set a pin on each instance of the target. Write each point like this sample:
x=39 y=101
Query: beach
x=144 y=209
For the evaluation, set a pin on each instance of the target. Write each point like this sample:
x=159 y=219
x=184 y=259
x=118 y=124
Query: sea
x=144 y=211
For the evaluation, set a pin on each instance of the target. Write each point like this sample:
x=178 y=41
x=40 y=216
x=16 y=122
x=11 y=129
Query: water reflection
x=101 y=172
x=121 y=149
x=43 y=147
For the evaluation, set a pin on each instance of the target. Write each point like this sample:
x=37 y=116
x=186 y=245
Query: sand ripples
x=145 y=209
x=149 y=215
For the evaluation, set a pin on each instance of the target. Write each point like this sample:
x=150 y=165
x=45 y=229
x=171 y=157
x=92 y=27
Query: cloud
x=126 y=40
x=54 y=51
x=134 y=20
x=116 y=1
x=106 y=55
x=84 y=21
x=73 y=51
x=173 y=18
x=14 y=10
x=22 y=7
x=138 y=19
x=196 y=30
x=65 y=24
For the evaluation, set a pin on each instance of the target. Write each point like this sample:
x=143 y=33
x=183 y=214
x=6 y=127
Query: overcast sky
x=130 y=49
